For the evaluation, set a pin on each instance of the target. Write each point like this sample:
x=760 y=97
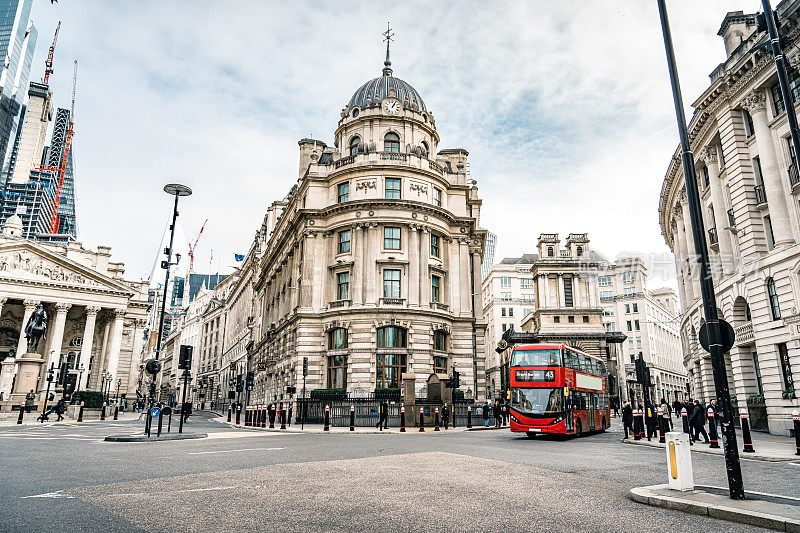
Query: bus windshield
x=544 y=357
x=537 y=401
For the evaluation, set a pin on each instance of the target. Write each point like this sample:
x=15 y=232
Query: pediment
x=25 y=261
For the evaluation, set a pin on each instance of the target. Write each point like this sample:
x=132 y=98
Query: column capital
x=30 y=305
x=3 y=301
x=92 y=310
x=710 y=155
x=62 y=307
x=754 y=102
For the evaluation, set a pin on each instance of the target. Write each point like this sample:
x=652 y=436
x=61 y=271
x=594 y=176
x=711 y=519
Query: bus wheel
x=530 y=434
x=578 y=428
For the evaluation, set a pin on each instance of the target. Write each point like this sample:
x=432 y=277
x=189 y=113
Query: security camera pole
x=717 y=333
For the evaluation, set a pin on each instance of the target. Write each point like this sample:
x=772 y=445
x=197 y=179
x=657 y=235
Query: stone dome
x=374 y=91
x=13 y=226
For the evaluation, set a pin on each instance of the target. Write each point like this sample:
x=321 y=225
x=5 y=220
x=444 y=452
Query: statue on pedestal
x=36 y=328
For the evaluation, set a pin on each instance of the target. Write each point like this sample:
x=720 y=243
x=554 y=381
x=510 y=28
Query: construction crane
x=55 y=220
x=48 y=63
x=194 y=245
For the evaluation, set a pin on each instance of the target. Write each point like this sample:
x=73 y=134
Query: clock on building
x=391 y=106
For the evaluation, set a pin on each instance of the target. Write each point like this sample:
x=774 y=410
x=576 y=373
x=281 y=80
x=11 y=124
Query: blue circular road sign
x=155 y=411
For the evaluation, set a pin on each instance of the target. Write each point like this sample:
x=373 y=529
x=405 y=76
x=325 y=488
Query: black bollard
x=436 y=420
x=229 y=412
x=637 y=432
x=685 y=417
x=272 y=416
x=283 y=417
x=116 y=411
x=248 y=414
x=469 y=416
x=403 y=419
x=712 y=429
x=160 y=421
x=169 y=421
x=662 y=439
x=747 y=441
x=421 y=419
x=352 y=418
x=21 y=412
x=261 y=417
x=103 y=412
x=80 y=413
x=327 y=418
x=289 y=418
x=796 y=419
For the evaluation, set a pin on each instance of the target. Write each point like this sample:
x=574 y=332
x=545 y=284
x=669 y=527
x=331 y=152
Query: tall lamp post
x=716 y=329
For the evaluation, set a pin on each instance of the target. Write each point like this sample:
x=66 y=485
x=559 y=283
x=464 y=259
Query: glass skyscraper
x=17 y=42
x=67 y=223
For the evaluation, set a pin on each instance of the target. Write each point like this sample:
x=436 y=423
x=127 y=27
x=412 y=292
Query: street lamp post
x=713 y=323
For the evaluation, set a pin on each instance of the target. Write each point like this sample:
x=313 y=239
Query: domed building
x=369 y=268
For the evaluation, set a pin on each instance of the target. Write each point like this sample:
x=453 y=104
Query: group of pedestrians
x=499 y=412
x=696 y=413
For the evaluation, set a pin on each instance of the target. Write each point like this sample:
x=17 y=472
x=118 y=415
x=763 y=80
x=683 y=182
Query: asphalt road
x=66 y=478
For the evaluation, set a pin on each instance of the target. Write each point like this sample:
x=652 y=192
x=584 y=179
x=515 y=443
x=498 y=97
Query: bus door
x=592 y=407
x=570 y=420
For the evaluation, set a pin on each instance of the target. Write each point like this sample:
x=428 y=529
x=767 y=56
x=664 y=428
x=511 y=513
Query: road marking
x=239 y=450
x=180 y=491
x=56 y=494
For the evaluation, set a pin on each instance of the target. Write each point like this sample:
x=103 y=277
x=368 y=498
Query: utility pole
x=713 y=324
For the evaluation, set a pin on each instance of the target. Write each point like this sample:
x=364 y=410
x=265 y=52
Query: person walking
x=627 y=418
x=186 y=410
x=698 y=421
x=445 y=416
x=59 y=409
x=485 y=413
x=29 y=399
x=651 y=419
x=506 y=413
x=667 y=415
x=713 y=406
x=383 y=417
x=498 y=414
x=676 y=407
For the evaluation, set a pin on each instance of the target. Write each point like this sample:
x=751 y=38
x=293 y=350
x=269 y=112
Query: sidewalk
x=771 y=448
x=758 y=509
x=30 y=419
x=320 y=428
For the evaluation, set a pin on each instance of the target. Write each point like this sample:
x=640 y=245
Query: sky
x=565 y=108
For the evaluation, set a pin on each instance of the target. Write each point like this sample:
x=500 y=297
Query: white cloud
x=565 y=107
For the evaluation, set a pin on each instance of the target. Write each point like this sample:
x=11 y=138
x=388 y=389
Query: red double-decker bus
x=557 y=389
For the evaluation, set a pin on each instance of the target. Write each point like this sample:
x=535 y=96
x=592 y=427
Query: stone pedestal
x=409 y=398
x=28 y=366
x=7 y=369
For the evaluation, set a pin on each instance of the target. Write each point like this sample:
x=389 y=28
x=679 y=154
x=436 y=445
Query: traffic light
x=305 y=366
x=456 y=380
x=250 y=378
x=185 y=359
x=640 y=371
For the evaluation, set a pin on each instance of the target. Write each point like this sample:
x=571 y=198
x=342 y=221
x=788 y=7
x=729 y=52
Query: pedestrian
x=667 y=415
x=485 y=413
x=383 y=410
x=29 y=399
x=677 y=406
x=627 y=418
x=445 y=416
x=498 y=414
x=59 y=409
x=713 y=406
x=615 y=406
x=650 y=419
x=506 y=413
x=186 y=410
x=698 y=421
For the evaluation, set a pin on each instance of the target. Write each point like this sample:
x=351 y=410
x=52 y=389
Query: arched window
x=391 y=143
x=425 y=149
x=772 y=295
x=391 y=337
x=550 y=251
x=337 y=339
x=354 y=144
x=579 y=250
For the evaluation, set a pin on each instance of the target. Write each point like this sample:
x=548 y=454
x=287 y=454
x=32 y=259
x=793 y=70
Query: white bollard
x=679 y=462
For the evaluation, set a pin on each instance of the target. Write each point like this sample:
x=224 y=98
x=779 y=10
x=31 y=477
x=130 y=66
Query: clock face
x=392 y=107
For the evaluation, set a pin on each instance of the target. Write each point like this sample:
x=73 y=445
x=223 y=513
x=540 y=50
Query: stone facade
x=96 y=319
x=749 y=189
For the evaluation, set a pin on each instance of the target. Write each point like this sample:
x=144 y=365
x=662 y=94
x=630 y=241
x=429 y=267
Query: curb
x=750 y=517
x=752 y=457
x=145 y=438
x=394 y=431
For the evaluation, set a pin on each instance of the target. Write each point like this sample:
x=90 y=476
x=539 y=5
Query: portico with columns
x=93 y=320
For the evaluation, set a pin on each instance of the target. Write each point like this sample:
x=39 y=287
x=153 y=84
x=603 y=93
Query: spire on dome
x=387 y=65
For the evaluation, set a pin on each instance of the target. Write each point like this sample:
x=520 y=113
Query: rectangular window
x=438 y=340
x=638 y=342
x=527 y=296
x=343 y=285
x=630 y=325
x=757 y=366
x=337 y=339
x=786 y=367
x=768 y=232
x=749 y=129
x=391 y=238
x=337 y=372
x=636 y=325
x=608 y=311
x=585 y=319
x=437 y=197
x=505 y=296
x=629 y=291
x=435 y=250
x=504 y=327
x=391 y=283
x=604 y=281
x=526 y=283
x=527 y=312
x=556 y=319
x=777 y=99
x=344 y=192
x=436 y=282
x=627 y=277
x=510 y=311
x=706 y=180
x=571 y=319
x=757 y=171
x=393 y=188
x=344 y=241
x=606 y=294
x=627 y=309
x=502 y=311
x=505 y=281
x=439 y=365
x=568 y=292
x=390 y=369
x=635 y=308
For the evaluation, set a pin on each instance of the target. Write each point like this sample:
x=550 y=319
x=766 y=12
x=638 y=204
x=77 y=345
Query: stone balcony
x=744 y=334
x=390 y=158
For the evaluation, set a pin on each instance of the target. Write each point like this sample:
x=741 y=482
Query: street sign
x=728 y=336
x=233 y=365
x=262 y=367
x=154 y=412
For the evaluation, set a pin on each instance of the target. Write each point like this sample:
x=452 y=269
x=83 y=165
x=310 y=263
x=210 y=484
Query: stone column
x=707 y=377
x=22 y=344
x=370 y=264
x=455 y=275
x=424 y=270
x=415 y=298
x=720 y=213
x=463 y=258
x=683 y=253
x=693 y=268
x=307 y=271
x=358 y=264
x=115 y=342
x=53 y=353
x=88 y=343
x=756 y=104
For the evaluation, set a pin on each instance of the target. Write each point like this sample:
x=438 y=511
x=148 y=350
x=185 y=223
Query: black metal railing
x=712 y=236
x=761 y=194
x=794 y=176
x=366 y=411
